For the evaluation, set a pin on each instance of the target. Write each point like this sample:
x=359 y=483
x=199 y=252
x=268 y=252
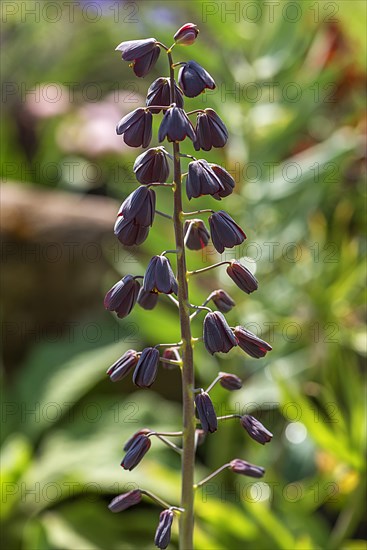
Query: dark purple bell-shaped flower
x=122 y=296
x=124 y=501
x=129 y=233
x=142 y=53
x=230 y=381
x=136 y=452
x=136 y=128
x=217 y=334
x=186 y=35
x=224 y=231
x=250 y=343
x=152 y=166
x=145 y=371
x=163 y=533
x=210 y=131
x=255 y=429
x=175 y=126
x=244 y=468
x=201 y=180
x=196 y=234
x=159 y=276
x=129 y=443
x=135 y=216
x=159 y=93
x=147 y=300
x=206 y=412
x=139 y=206
x=193 y=79
x=123 y=366
x=226 y=180
x=243 y=278
x=223 y=301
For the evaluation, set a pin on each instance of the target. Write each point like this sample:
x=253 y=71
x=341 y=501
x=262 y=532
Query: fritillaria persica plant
x=134 y=220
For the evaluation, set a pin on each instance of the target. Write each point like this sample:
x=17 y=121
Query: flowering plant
x=134 y=219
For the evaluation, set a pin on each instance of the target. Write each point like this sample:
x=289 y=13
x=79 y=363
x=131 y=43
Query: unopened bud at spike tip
x=186 y=35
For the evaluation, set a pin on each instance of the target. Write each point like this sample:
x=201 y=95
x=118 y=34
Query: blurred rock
x=53 y=262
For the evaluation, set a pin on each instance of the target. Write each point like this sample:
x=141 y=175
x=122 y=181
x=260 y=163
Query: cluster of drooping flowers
x=134 y=220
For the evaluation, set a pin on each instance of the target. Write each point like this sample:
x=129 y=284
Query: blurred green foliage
x=290 y=89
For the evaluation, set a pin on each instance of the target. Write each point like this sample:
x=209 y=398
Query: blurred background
x=290 y=87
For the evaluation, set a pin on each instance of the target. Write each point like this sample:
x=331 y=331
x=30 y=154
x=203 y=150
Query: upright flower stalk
x=134 y=219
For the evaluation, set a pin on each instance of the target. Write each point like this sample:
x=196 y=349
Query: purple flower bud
x=173 y=354
x=136 y=128
x=175 y=126
x=201 y=180
x=142 y=53
x=146 y=370
x=132 y=439
x=147 y=300
x=229 y=381
x=243 y=278
x=198 y=236
x=224 y=231
x=123 y=366
x=255 y=429
x=193 y=79
x=242 y=467
x=159 y=93
x=159 y=276
x=124 y=501
x=136 y=452
x=163 y=533
x=152 y=166
x=210 y=131
x=139 y=206
x=250 y=343
x=206 y=412
x=223 y=301
x=226 y=180
x=217 y=334
x=122 y=296
x=186 y=35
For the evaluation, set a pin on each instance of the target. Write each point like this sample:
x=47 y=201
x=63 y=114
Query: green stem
x=203 y=481
x=197 y=271
x=188 y=454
